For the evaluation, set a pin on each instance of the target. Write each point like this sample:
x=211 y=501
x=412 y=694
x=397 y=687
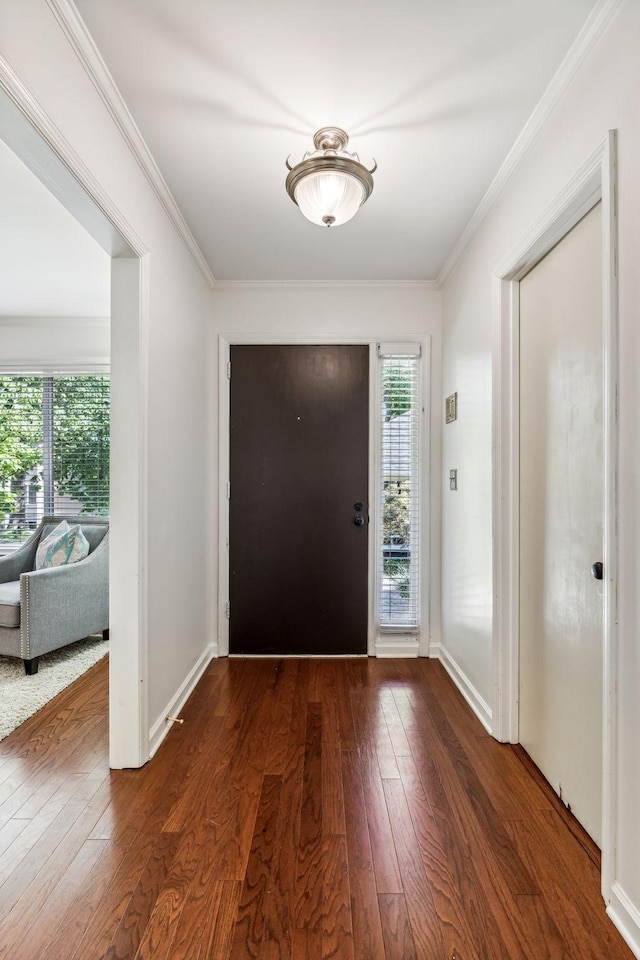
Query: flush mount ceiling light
x=330 y=185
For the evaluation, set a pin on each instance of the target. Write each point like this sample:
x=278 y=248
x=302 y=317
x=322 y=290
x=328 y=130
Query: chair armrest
x=20 y=560
x=62 y=604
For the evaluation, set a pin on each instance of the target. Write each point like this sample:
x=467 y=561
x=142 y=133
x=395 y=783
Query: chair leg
x=31 y=666
x=105 y=634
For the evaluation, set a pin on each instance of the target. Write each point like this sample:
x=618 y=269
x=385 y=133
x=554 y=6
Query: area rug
x=22 y=696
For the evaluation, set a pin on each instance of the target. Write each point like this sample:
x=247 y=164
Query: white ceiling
x=437 y=91
x=51 y=267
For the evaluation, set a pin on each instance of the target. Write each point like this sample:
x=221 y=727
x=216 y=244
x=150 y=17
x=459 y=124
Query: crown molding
x=327 y=285
x=87 y=52
x=593 y=29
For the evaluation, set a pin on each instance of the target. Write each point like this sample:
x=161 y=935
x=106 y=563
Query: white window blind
x=54 y=449
x=399 y=486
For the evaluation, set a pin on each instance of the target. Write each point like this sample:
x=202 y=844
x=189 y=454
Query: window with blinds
x=399 y=486
x=54 y=450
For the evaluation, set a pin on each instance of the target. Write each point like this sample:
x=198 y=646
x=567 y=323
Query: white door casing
x=388 y=645
x=594 y=181
x=40 y=145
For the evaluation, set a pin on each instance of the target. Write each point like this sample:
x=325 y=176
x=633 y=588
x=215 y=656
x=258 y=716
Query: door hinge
x=229 y=491
x=227 y=609
x=229 y=370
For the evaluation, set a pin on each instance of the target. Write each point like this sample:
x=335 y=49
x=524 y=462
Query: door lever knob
x=596 y=570
x=359 y=521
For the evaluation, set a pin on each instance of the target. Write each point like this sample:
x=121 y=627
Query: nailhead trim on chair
x=24 y=618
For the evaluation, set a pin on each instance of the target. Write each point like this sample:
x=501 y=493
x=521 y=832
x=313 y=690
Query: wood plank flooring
x=305 y=810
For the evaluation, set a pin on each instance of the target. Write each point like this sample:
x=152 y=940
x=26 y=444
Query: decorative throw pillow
x=46 y=542
x=68 y=546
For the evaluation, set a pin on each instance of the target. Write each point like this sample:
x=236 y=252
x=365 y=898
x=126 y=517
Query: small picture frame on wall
x=451 y=408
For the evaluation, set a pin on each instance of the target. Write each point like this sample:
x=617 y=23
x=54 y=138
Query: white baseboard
x=397 y=645
x=161 y=727
x=479 y=706
x=434 y=650
x=626 y=917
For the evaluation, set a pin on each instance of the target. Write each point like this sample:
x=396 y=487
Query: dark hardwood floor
x=305 y=810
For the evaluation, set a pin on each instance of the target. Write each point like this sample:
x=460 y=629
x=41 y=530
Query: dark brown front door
x=299 y=443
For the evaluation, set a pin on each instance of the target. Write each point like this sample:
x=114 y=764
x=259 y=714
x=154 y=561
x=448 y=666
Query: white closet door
x=561 y=511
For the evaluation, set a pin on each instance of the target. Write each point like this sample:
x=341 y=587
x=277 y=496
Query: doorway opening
x=31 y=136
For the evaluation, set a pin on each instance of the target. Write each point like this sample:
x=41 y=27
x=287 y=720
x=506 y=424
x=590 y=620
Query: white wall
x=604 y=95
x=176 y=307
x=385 y=312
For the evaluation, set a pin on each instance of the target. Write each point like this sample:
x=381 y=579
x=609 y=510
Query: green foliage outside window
x=80 y=446
x=396 y=521
x=396 y=391
x=20 y=435
x=395 y=511
x=81 y=441
x=396 y=528
x=398 y=570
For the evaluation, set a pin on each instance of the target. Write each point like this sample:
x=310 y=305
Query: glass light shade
x=329 y=198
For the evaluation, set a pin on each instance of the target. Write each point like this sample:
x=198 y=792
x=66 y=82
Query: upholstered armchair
x=42 y=610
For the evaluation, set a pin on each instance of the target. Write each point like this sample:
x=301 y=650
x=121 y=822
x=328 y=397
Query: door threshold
x=298 y=656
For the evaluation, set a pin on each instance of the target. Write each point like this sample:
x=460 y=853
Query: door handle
x=597 y=570
x=359 y=521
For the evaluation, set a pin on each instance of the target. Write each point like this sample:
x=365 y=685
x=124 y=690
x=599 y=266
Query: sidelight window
x=54 y=450
x=399 y=486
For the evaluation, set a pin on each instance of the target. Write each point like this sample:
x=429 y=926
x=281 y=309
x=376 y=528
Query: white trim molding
x=83 y=196
x=595 y=181
x=626 y=917
x=426 y=501
x=224 y=413
x=595 y=26
x=327 y=285
x=129 y=557
x=403 y=641
x=473 y=697
x=87 y=52
x=162 y=725
x=399 y=643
